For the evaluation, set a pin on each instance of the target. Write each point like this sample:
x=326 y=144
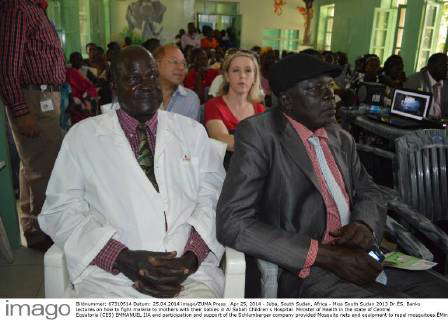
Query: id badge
x=46 y=105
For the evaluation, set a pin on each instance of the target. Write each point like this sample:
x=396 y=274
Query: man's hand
x=353 y=265
x=157 y=274
x=27 y=125
x=354 y=235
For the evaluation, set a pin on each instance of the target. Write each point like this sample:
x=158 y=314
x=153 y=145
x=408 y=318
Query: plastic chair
x=57 y=281
x=420 y=202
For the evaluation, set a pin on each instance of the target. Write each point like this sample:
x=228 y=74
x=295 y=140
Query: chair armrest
x=420 y=223
x=57 y=282
x=235 y=273
x=406 y=240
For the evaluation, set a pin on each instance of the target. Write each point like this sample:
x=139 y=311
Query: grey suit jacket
x=270 y=206
x=420 y=81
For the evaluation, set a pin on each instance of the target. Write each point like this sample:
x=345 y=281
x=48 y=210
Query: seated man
x=297 y=195
x=129 y=201
x=173 y=69
x=433 y=80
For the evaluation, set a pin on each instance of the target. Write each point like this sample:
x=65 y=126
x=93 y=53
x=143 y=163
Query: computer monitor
x=411 y=104
x=371 y=93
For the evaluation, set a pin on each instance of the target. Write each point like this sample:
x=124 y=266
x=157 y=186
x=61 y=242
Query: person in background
x=32 y=70
x=112 y=48
x=103 y=79
x=239 y=98
x=267 y=60
x=372 y=68
x=256 y=50
x=127 y=214
x=200 y=76
x=151 y=44
x=313 y=52
x=433 y=80
x=208 y=41
x=172 y=70
x=393 y=75
x=127 y=42
x=191 y=38
x=215 y=87
x=84 y=94
x=178 y=38
x=188 y=53
x=90 y=49
x=329 y=57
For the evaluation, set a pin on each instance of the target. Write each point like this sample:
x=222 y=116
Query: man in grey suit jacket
x=433 y=80
x=279 y=203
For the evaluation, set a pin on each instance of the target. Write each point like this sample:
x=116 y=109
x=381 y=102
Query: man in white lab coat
x=132 y=197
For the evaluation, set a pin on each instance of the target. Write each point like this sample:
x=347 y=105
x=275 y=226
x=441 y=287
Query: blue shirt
x=185 y=102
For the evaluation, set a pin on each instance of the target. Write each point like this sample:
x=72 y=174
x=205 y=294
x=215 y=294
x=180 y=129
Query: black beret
x=298 y=67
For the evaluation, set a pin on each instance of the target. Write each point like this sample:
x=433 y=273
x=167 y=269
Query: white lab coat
x=98 y=191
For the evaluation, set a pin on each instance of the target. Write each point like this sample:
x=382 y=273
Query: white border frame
x=426 y=96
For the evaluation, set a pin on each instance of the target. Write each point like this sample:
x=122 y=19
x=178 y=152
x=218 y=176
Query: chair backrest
x=422 y=176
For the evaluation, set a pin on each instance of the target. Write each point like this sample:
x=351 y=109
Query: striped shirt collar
x=130 y=124
x=304 y=132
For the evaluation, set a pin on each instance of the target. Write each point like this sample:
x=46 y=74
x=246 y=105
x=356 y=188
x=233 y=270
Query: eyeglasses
x=177 y=63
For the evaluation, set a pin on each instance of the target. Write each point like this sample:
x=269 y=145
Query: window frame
x=390 y=36
x=282 y=40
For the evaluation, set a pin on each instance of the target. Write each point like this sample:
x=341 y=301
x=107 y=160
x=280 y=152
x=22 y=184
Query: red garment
x=105 y=259
x=30 y=53
x=207 y=43
x=80 y=85
x=217 y=109
x=333 y=219
x=190 y=79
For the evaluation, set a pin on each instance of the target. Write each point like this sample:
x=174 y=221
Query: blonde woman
x=239 y=97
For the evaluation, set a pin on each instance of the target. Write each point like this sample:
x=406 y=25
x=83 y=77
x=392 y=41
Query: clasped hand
x=348 y=256
x=158 y=274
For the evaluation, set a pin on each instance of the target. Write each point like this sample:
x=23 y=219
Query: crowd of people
x=204 y=145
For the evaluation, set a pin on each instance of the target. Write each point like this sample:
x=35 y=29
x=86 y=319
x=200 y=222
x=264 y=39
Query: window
x=381 y=42
x=400 y=28
x=325 y=29
x=442 y=42
x=429 y=33
x=84 y=24
x=281 y=39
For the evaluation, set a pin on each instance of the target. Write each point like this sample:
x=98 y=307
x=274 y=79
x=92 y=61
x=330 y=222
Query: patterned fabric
x=129 y=126
x=145 y=156
x=31 y=52
x=196 y=245
x=107 y=256
x=333 y=221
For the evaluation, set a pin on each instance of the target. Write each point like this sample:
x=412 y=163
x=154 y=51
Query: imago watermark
x=49 y=311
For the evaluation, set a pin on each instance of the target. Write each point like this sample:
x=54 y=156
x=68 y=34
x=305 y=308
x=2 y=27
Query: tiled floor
x=25 y=277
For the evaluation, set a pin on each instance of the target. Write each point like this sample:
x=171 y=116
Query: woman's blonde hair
x=255 y=93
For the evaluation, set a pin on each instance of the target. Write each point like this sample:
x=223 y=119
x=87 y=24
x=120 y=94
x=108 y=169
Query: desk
x=5 y=248
x=378 y=128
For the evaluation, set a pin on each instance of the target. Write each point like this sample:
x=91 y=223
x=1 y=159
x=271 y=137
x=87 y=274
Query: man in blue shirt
x=172 y=69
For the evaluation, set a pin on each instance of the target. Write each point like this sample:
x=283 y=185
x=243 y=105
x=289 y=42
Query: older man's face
x=137 y=83
x=312 y=102
x=172 y=66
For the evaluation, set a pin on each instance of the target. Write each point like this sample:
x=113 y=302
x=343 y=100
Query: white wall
x=258 y=15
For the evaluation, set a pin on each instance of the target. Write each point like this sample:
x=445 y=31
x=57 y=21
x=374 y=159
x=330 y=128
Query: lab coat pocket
x=189 y=171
